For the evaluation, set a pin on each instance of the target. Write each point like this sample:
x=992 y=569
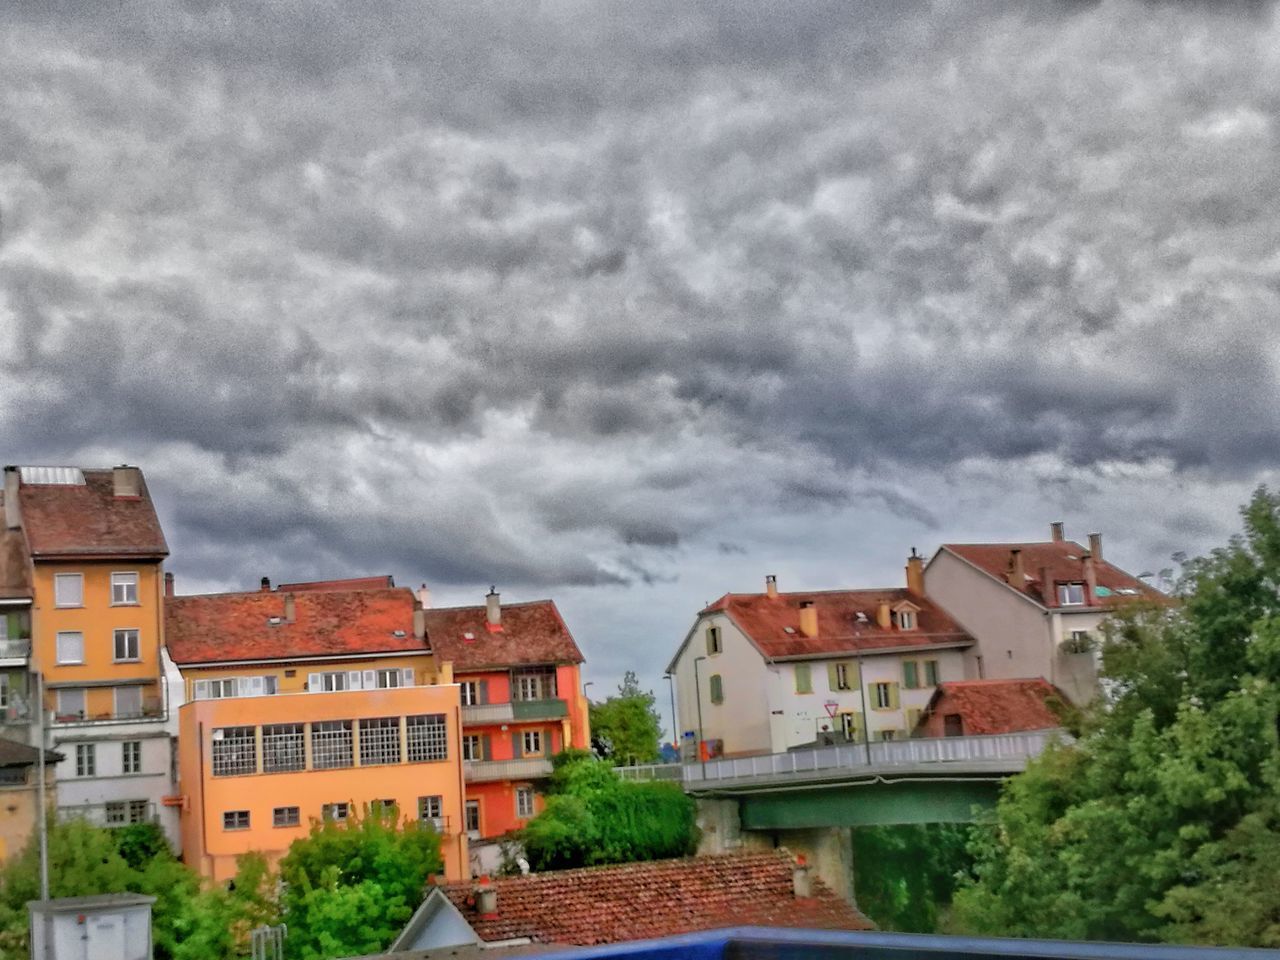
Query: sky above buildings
x=631 y=304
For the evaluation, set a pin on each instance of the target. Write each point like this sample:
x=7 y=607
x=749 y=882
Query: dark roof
x=225 y=627
x=1065 y=562
x=765 y=620
x=15 y=754
x=354 y=583
x=15 y=562
x=659 y=898
x=88 y=520
x=532 y=632
x=997 y=706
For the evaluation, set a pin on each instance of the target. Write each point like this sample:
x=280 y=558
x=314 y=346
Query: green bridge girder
x=869 y=804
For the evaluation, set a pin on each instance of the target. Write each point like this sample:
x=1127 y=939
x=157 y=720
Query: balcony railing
x=119 y=813
x=480 y=771
x=540 y=709
x=15 y=650
x=487 y=713
x=149 y=711
x=518 y=711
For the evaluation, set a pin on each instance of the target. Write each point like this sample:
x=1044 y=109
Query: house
x=766 y=672
x=1033 y=609
x=16 y=595
x=518 y=670
x=965 y=708
x=19 y=793
x=629 y=901
x=96 y=554
x=305 y=704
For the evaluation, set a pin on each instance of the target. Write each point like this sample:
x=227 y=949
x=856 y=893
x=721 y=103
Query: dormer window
x=1071 y=594
x=906 y=620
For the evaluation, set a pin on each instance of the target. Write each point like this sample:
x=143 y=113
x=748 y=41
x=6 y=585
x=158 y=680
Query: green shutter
x=804 y=678
x=893 y=696
x=483 y=691
x=546 y=743
x=910 y=675
x=931 y=673
x=913 y=718
x=717 y=689
x=486 y=748
x=516 y=746
x=832 y=682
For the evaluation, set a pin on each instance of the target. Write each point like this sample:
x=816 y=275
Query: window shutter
x=913 y=718
x=486 y=748
x=406 y=676
x=516 y=750
x=202 y=689
x=313 y=682
x=353 y=679
x=484 y=691
x=931 y=672
x=893 y=696
x=910 y=674
x=370 y=680
x=546 y=743
x=710 y=645
x=833 y=683
x=804 y=679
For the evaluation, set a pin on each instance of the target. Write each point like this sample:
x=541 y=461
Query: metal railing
x=15 y=649
x=118 y=813
x=652 y=771
x=487 y=713
x=477 y=771
x=150 y=711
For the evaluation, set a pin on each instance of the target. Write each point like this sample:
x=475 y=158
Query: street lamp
x=675 y=727
x=697 y=695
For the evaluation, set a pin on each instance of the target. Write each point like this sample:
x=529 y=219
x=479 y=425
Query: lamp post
x=675 y=727
x=43 y=822
x=584 y=688
x=697 y=696
x=866 y=713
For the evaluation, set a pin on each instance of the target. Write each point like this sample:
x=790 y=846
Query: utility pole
x=44 y=813
x=697 y=693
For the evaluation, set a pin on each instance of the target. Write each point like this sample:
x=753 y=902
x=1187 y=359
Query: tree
x=1161 y=822
x=350 y=887
x=592 y=816
x=625 y=728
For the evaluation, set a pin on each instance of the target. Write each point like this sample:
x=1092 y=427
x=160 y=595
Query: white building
x=766 y=672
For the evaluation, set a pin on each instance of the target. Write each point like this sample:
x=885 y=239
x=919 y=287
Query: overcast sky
x=631 y=304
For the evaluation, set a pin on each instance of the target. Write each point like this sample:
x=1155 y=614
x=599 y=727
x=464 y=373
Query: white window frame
x=131 y=756
x=231 y=819
x=66 y=578
x=286 y=817
x=470 y=811
x=524 y=802
x=472 y=747
x=469 y=691
x=61 y=705
x=124 y=632
x=86 y=760
x=528 y=684
x=1066 y=591
x=116 y=701
x=124 y=579
x=906 y=620
x=528 y=737
x=882 y=687
x=715 y=641
x=65 y=637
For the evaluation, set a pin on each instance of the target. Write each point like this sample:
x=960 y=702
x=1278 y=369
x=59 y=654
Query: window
x=539 y=684
x=235 y=687
x=431 y=810
x=235 y=751
x=124 y=588
x=379 y=741
x=1070 y=594
x=126 y=645
x=4 y=685
x=532 y=743
x=331 y=744
x=887 y=735
x=335 y=812
x=931 y=673
x=395 y=677
x=131 y=756
x=86 y=760
x=138 y=811
x=70 y=647
x=884 y=696
x=428 y=737
x=910 y=675
x=126 y=811
x=329 y=682
x=472 y=813
x=524 y=802
x=906 y=620
x=804 y=678
x=71 y=703
x=838 y=676
x=713 y=640
x=470 y=692
x=285 y=817
x=128 y=701
x=235 y=820
x=851 y=726
x=471 y=747
x=215 y=689
x=717 y=688
x=68 y=590
x=283 y=748
x=116 y=813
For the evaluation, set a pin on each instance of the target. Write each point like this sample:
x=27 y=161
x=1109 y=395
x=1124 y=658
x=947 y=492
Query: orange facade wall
x=211 y=848
x=292 y=677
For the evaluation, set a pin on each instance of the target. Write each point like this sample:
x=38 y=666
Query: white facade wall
x=741 y=722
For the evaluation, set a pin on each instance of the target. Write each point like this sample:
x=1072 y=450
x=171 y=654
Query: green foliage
x=905 y=873
x=350 y=887
x=592 y=817
x=626 y=728
x=1161 y=823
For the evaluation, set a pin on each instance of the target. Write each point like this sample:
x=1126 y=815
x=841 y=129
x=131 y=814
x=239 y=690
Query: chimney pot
x=801 y=882
x=290 y=608
x=266 y=584
x=1048 y=591
x=808 y=618
x=168 y=584
x=771 y=585
x=126 y=481
x=1057 y=531
x=1017 y=571
x=12 y=508
x=883 y=617
x=493 y=607
x=1095 y=545
x=915 y=574
x=1090 y=578
x=486 y=899
x=420 y=624
x=424 y=597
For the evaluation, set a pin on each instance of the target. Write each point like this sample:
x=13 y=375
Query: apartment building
x=96 y=552
x=16 y=596
x=518 y=669
x=1033 y=608
x=306 y=703
x=766 y=672
x=20 y=792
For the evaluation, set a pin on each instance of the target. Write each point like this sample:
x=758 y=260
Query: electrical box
x=112 y=926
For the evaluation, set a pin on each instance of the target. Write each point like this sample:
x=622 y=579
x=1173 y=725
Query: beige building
x=19 y=793
x=1034 y=609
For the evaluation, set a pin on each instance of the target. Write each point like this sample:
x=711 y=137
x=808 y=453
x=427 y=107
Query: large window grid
x=86 y=760
x=331 y=744
x=534 y=684
x=379 y=741
x=283 y=748
x=235 y=751
x=428 y=736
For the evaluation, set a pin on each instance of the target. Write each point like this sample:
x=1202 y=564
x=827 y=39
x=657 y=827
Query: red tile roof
x=531 y=633
x=993 y=706
x=79 y=520
x=660 y=898
x=15 y=562
x=225 y=627
x=354 y=583
x=1064 y=559
x=765 y=620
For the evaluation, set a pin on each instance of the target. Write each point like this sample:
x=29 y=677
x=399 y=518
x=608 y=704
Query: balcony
x=479 y=713
x=520 y=711
x=152 y=709
x=484 y=771
x=15 y=653
x=539 y=710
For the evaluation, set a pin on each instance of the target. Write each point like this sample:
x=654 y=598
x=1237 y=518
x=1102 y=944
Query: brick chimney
x=420 y=624
x=486 y=899
x=126 y=481
x=771 y=586
x=290 y=608
x=1017 y=571
x=424 y=597
x=915 y=574
x=1048 y=589
x=1057 y=531
x=1090 y=578
x=808 y=618
x=1095 y=546
x=168 y=584
x=493 y=608
x=801 y=882
x=883 y=617
x=12 y=508
x=266 y=585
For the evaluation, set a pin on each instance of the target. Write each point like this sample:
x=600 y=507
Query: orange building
x=518 y=670
x=305 y=703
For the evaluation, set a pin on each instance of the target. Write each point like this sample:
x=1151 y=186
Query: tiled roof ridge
x=990 y=681
x=667 y=863
x=281 y=594
x=480 y=606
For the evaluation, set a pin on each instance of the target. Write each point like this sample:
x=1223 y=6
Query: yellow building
x=19 y=793
x=305 y=703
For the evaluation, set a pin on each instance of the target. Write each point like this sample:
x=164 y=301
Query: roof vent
x=788 y=629
x=468 y=635
x=861 y=617
x=398 y=634
x=275 y=621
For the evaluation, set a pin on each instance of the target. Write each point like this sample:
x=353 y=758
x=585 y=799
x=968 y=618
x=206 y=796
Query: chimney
x=883 y=617
x=168 y=584
x=420 y=624
x=1057 y=532
x=1048 y=591
x=1090 y=578
x=771 y=586
x=486 y=900
x=915 y=574
x=290 y=608
x=12 y=508
x=424 y=597
x=1095 y=546
x=808 y=618
x=801 y=883
x=1017 y=572
x=266 y=585
x=493 y=605
x=126 y=481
